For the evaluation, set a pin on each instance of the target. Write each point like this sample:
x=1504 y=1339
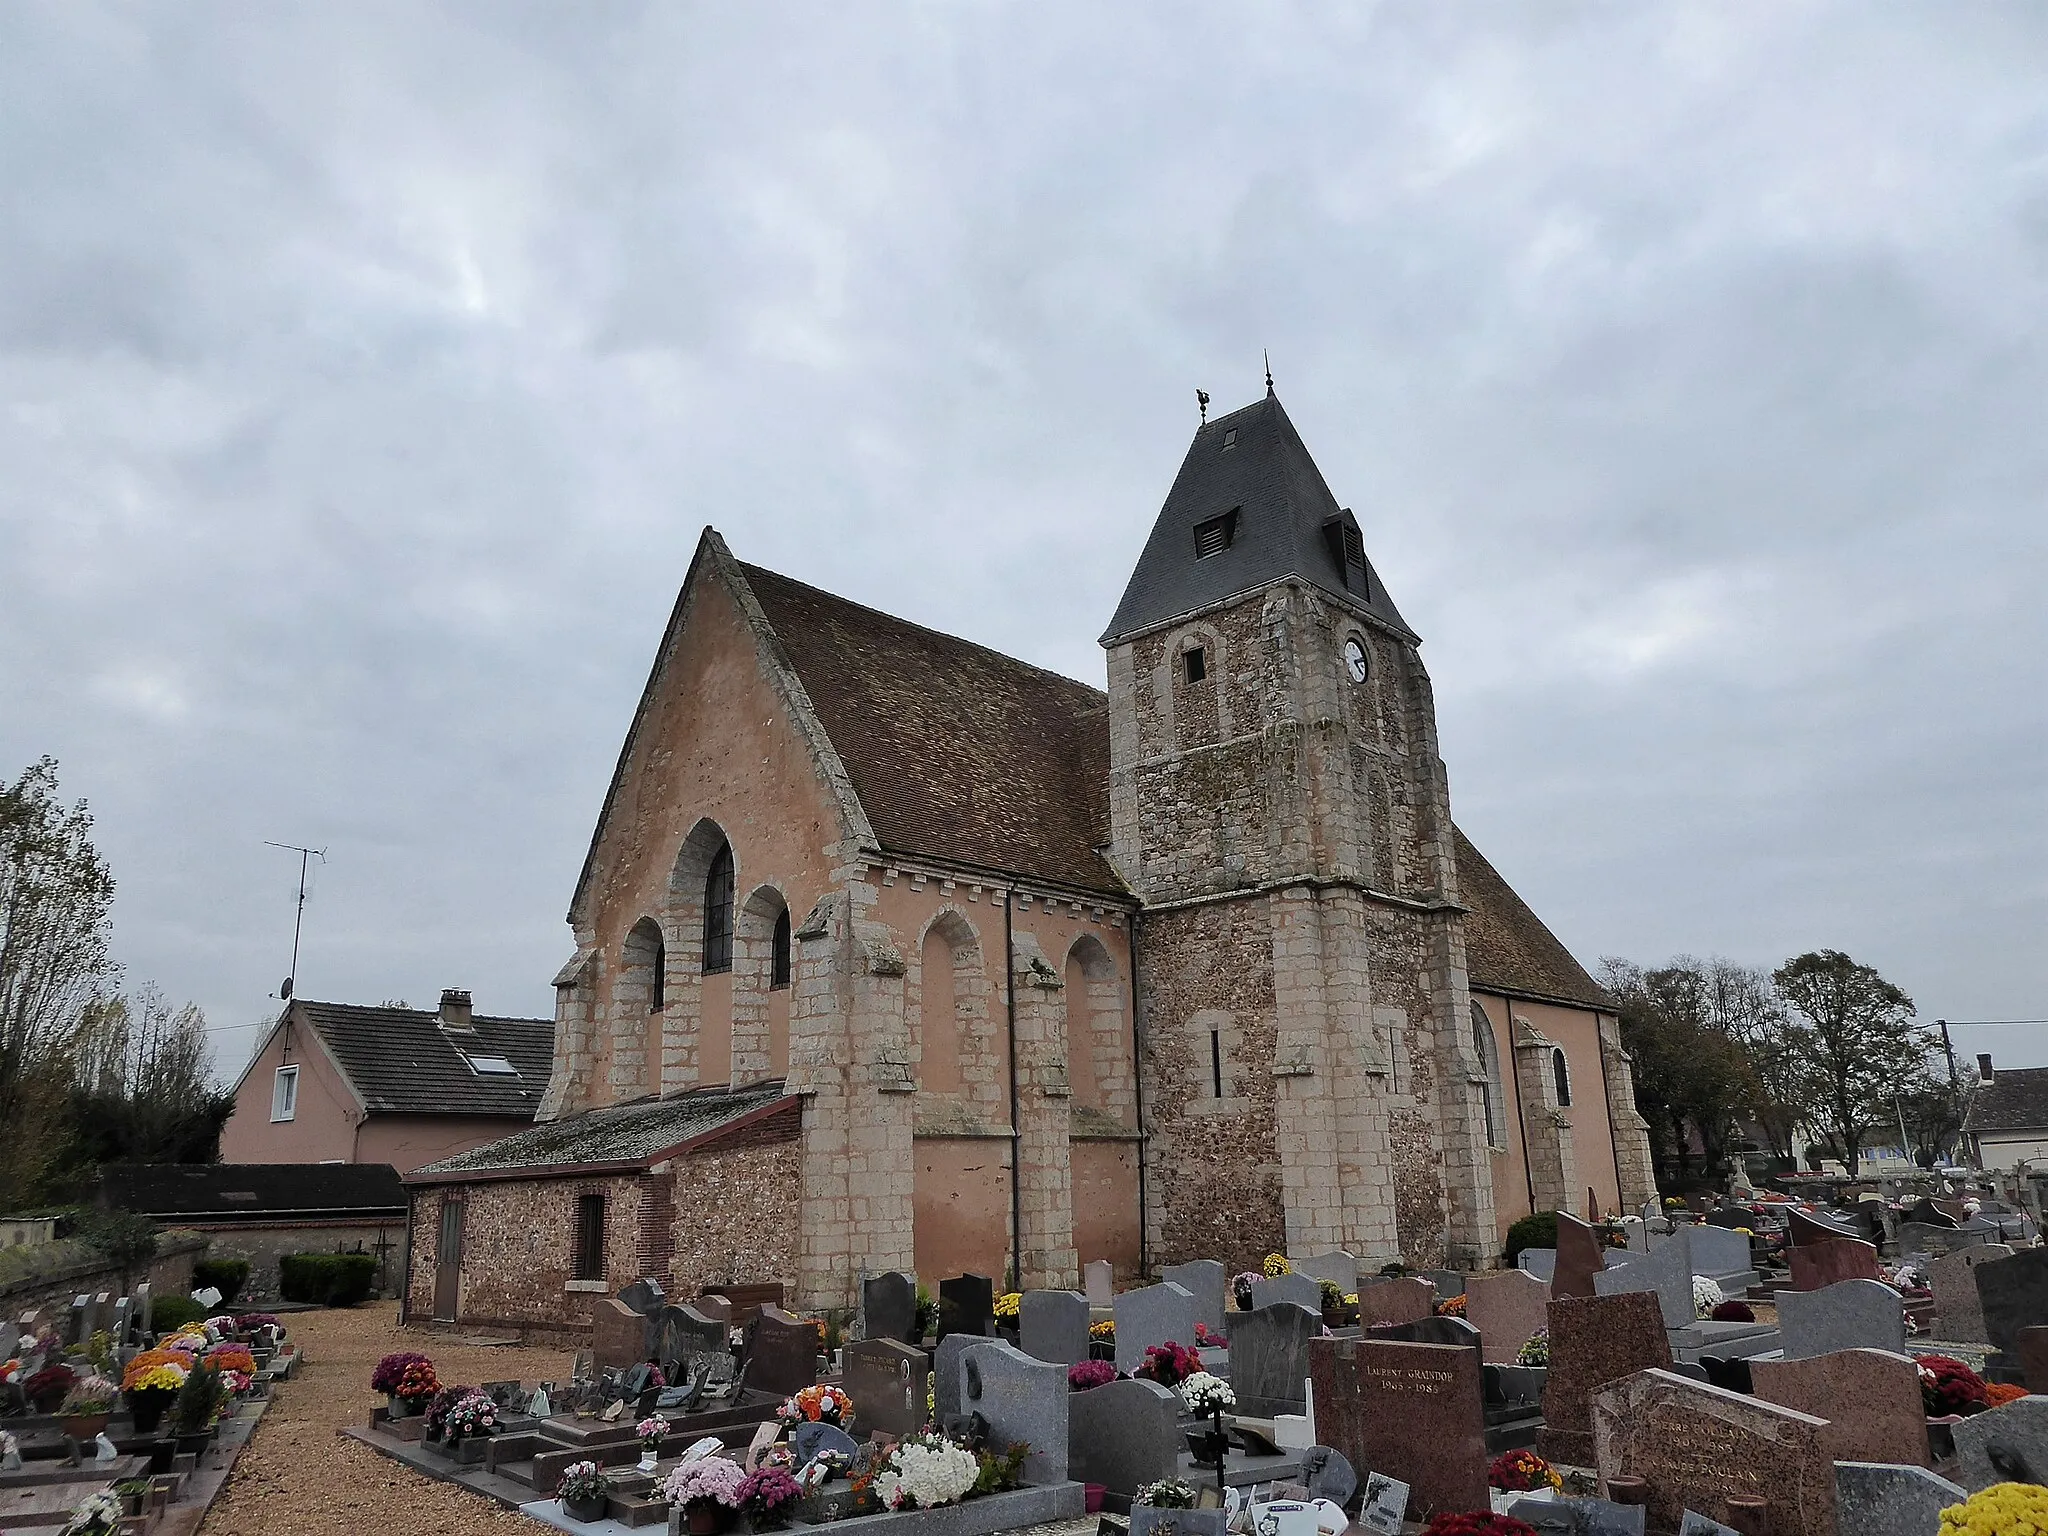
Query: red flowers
x=1169 y=1364
x=1949 y=1386
x=1477 y=1523
x=1090 y=1373
x=1521 y=1471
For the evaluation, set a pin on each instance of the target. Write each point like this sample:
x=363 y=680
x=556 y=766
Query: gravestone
x=1507 y=1308
x=946 y=1376
x=967 y=1304
x=1448 y=1282
x=1098 y=1282
x=1731 y=1373
x=2032 y=1349
x=1329 y=1475
x=1155 y=1314
x=1693 y=1523
x=1875 y=1500
x=889 y=1306
x=683 y=1336
x=145 y=1311
x=782 y=1352
x=1023 y=1400
x=1695 y=1445
x=618 y=1334
x=2003 y=1445
x=1580 y=1256
x=1302 y=1290
x=2014 y=1295
x=1594 y=1340
x=1053 y=1325
x=1123 y=1435
x=1405 y=1300
x=1814 y=1227
x=1412 y=1411
x=1918 y=1237
x=1451 y=1332
x=1579 y=1517
x=1715 y=1250
x=886 y=1380
x=1337 y=1267
x=1269 y=1358
x=1928 y=1213
x=1817 y=1265
x=712 y=1305
x=10 y=1335
x=1540 y=1262
x=1666 y=1272
x=1870 y=1398
x=1850 y=1314
x=1205 y=1280
x=1958 y=1308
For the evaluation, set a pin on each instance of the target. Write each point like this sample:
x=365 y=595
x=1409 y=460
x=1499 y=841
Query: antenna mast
x=299 y=917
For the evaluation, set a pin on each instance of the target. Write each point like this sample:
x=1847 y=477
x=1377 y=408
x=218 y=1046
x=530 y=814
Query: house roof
x=1254 y=464
x=251 y=1191
x=2016 y=1099
x=401 y=1062
x=619 y=1135
x=1507 y=948
x=955 y=751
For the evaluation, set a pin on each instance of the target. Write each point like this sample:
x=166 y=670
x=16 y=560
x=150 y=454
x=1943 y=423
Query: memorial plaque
x=1870 y=1398
x=1594 y=1340
x=967 y=1305
x=1507 y=1308
x=1405 y=1300
x=1269 y=1359
x=1156 y=1314
x=782 y=1352
x=1124 y=1435
x=1053 y=1325
x=1958 y=1308
x=1850 y=1314
x=1827 y=1261
x=1695 y=1445
x=889 y=1306
x=886 y=1379
x=1412 y=1411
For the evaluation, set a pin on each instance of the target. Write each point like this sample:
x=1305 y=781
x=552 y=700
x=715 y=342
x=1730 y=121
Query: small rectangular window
x=491 y=1066
x=1196 y=662
x=1216 y=1060
x=1215 y=535
x=1230 y=437
x=284 y=1094
x=589 y=1252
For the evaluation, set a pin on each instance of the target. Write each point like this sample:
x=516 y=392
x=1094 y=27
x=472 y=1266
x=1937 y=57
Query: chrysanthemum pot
x=83 y=1426
x=704 y=1517
x=591 y=1508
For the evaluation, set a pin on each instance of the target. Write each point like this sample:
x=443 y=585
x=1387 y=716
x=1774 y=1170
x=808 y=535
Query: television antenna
x=284 y=992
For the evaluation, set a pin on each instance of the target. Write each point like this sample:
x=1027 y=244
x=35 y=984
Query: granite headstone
x=1870 y=1398
x=1507 y=1307
x=1828 y=1261
x=886 y=1380
x=1412 y=1411
x=967 y=1304
x=1302 y=1290
x=1337 y=1267
x=1205 y=1280
x=1154 y=1314
x=1850 y=1314
x=1872 y=1500
x=889 y=1306
x=1594 y=1340
x=1053 y=1325
x=1269 y=1358
x=1024 y=1400
x=1579 y=1517
x=2003 y=1445
x=1666 y=1272
x=1580 y=1256
x=1957 y=1307
x=1405 y=1300
x=1540 y=1262
x=2014 y=1295
x=1123 y=1435
x=782 y=1351
x=1098 y=1282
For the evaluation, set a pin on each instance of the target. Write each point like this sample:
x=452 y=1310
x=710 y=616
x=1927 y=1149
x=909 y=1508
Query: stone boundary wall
x=170 y=1273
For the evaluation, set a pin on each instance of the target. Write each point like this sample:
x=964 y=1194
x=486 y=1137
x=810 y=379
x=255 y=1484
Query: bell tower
x=1278 y=803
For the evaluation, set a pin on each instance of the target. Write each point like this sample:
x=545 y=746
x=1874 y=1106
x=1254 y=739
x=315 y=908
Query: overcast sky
x=368 y=372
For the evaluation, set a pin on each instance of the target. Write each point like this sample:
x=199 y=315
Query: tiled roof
x=2016 y=1099
x=252 y=1191
x=957 y=752
x=634 y=1133
x=1254 y=464
x=402 y=1062
x=1507 y=948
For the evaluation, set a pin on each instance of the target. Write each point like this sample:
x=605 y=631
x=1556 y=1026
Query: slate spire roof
x=1252 y=470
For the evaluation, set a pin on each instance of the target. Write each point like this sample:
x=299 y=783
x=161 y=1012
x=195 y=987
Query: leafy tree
x=144 y=1091
x=56 y=902
x=1863 y=1041
x=1693 y=1081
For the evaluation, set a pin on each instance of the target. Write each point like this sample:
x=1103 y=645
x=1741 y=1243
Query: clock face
x=1354 y=660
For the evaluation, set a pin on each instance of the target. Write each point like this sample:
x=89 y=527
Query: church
x=894 y=952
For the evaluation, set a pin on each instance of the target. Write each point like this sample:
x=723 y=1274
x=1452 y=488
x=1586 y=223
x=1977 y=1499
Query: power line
x=1989 y=1023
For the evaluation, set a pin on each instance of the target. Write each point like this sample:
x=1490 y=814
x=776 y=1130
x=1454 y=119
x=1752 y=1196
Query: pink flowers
x=1090 y=1373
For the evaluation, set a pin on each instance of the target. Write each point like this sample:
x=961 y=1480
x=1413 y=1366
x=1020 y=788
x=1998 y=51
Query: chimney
x=1984 y=1068
x=455 y=1009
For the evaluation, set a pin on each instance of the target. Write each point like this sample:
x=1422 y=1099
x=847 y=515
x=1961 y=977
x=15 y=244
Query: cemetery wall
x=263 y=1243
x=65 y=1269
x=737 y=1215
x=715 y=742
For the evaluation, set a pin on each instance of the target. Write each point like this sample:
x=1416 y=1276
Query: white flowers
x=99 y=1515
x=926 y=1472
x=710 y=1478
x=1706 y=1296
x=1205 y=1394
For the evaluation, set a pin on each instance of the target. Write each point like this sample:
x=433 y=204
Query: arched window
x=657 y=986
x=1563 y=1075
x=778 y=952
x=718 y=913
x=1489 y=1066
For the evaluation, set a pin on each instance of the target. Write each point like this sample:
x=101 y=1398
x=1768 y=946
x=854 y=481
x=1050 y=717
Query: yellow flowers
x=1276 y=1265
x=1106 y=1329
x=2006 y=1509
x=1007 y=1305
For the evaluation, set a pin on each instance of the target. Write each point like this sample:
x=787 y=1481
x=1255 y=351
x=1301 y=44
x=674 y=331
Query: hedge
x=170 y=1313
x=329 y=1279
x=227 y=1276
x=1538 y=1231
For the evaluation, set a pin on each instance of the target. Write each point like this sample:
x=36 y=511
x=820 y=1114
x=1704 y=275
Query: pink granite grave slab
x=1870 y=1398
x=1506 y=1307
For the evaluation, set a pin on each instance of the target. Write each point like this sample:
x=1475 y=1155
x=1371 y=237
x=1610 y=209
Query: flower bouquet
x=1276 y=1265
x=1009 y=1306
x=1169 y=1364
x=1207 y=1397
x=417 y=1385
x=390 y=1372
x=150 y=1382
x=649 y=1432
x=924 y=1472
x=1536 y=1350
x=1451 y=1306
x=48 y=1387
x=2003 y=1509
x=817 y=1405
x=1522 y=1472
x=439 y=1406
x=1947 y=1386
x=707 y=1491
x=232 y=1357
x=1167 y=1493
x=585 y=1490
x=1205 y=1339
x=99 y=1515
x=766 y=1495
x=87 y=1407
x=1706 y=1295
x=472 y=1414
x=1090 y=1373
x=1241 y=1288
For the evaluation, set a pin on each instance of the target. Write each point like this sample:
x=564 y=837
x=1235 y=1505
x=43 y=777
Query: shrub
x=199 y=1400
x=123 y=1236
x=329 y=1279
x=1538 y=1231
x=227 y=1276
x=170 y=1313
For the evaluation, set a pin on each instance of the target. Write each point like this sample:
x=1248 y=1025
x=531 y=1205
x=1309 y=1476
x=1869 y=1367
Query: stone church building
x=893 y=952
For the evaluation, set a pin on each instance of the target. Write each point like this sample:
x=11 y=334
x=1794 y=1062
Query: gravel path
x=299 y=1476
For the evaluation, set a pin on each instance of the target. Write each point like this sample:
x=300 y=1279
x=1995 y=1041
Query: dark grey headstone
x=2003 y=1445
x=946 y=1376
x=1429 y=1330
x=967 y=1305
x=886 y=1380
x=889 y=1305
x=1024 y=1400
x=1729 y=1374
x=683 y=1335
x=813 y=1440
x=1123 y=1435
x=1329 y=1475
x=1881 y=1499
x=1448 y=1282
x=1580 y=1517
x=782 y=1352
x=1053 y=1325
x=2014 y=1294
x=1153 y=1315
x=1540 y=1262
x=1205 y=1280
x=1269 y=1358
x=1850 y=1314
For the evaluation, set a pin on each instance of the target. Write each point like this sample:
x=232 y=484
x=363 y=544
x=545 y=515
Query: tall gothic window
x=657 y=987
x=1489 y=1065
x=1563 y=1074
x=778 y=956
x=718 y=913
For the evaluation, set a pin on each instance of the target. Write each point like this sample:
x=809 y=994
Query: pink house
x=337 y=1083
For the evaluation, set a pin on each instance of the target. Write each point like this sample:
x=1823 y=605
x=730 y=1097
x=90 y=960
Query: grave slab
x=1411 y=1411
x=1850 y=1314
x=1506 y=1307
x=1870 y=1398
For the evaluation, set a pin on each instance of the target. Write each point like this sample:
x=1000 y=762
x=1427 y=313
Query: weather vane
x=1202 y=400
x=1269 y=369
